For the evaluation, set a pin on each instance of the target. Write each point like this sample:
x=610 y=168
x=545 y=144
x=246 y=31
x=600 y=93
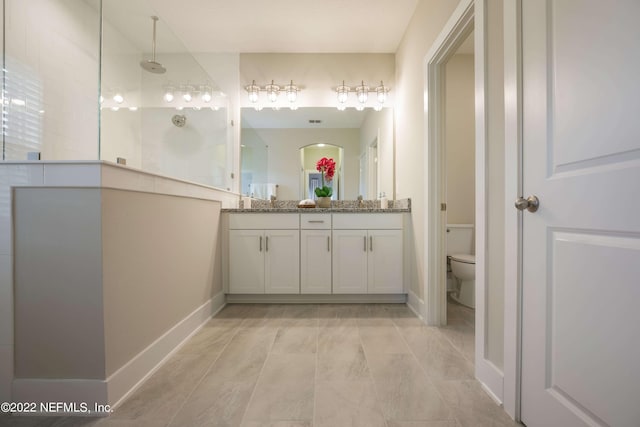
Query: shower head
x=152 y=65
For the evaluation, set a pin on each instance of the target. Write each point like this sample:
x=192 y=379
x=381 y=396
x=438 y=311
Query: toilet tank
x=460 y=239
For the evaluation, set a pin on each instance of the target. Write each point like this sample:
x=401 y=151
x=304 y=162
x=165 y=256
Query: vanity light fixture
x=342 y=107
x=187 y=93
x=343 y=93
x=273 y=91
x=292 y=92
x=168 y=93
x=118 y=98
x=382 y=91
x=253 y=90
x=362 y=93
x=206 y=93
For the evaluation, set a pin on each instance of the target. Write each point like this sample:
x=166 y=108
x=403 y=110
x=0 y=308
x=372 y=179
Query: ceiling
x=297 y=26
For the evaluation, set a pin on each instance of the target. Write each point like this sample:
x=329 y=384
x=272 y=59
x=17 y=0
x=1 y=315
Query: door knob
x=531 y=203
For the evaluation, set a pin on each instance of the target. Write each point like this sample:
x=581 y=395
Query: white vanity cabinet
x=367 y=253
x=264 y=253
x=315 y=253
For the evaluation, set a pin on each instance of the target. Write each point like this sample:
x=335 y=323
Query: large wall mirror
x=279 y=149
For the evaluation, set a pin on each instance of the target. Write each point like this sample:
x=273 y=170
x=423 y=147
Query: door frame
x=513 y=159
x=456 y=30
x=373 y=169
x=468 y=15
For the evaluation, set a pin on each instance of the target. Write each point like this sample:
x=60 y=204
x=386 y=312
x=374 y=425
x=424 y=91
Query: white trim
x=491 y=378
x=487 y=373
x=490 y=393
x=130 y=376
x=468 y=14
x=455 y=31
x=316 y=299
x=512 y=221
x=416 y=304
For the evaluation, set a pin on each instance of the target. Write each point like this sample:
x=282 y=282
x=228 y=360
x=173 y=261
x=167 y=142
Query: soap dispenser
x=384 y=202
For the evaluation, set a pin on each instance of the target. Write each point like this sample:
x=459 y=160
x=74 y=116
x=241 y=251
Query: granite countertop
x=337 y=206
x=316 y=210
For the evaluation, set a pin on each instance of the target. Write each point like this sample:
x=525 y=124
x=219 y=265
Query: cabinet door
x=385 y=262
x=282 y=262
x=246 y=262
x=350 y=261
x=315 y=262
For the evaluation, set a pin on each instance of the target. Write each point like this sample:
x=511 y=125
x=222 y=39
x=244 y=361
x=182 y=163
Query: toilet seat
x=464 y=258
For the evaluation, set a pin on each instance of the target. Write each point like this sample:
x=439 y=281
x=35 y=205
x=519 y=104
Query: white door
x=315 y=261
x=385 y=262
x=350 y=261
x=581 y=249
x=282 y=262
x=246 y=262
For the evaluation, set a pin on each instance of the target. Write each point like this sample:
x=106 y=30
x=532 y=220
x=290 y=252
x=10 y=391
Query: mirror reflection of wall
x=285 y=132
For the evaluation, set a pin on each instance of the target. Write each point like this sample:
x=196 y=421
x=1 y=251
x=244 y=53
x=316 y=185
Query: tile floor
x=311 y=365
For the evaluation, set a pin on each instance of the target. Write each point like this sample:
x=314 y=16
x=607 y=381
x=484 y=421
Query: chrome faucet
x=272 y=201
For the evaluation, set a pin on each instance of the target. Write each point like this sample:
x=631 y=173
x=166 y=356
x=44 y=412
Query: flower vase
x=324 y=202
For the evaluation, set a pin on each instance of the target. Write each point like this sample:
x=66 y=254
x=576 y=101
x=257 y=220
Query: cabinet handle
x=371 y=243
x=260 y=243
x=328 y=243
x=365 y=243
x=267 y=244
x=314 y=221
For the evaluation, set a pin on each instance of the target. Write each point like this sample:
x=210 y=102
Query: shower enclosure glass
x=79 y=82
x=50 y=69
x=138 y=102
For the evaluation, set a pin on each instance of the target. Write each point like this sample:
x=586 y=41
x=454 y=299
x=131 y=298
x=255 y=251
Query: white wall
x=52 y=58
x=283 y=154
x=460 y=140
x=426 y=23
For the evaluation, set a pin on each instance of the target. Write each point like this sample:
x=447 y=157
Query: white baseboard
x=316 y=299
x=129 y=377
x=125 y=380
x=491 y=379
x=416 y=304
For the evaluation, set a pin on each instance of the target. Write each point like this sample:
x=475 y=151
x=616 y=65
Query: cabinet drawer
x=257 y=221
x=315 y=221
x=382 y=221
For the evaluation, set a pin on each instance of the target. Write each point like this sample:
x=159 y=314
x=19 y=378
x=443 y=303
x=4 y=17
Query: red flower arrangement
x=328 y=168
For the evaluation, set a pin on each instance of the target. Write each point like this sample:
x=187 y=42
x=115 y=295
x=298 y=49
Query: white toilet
x=461 y=281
